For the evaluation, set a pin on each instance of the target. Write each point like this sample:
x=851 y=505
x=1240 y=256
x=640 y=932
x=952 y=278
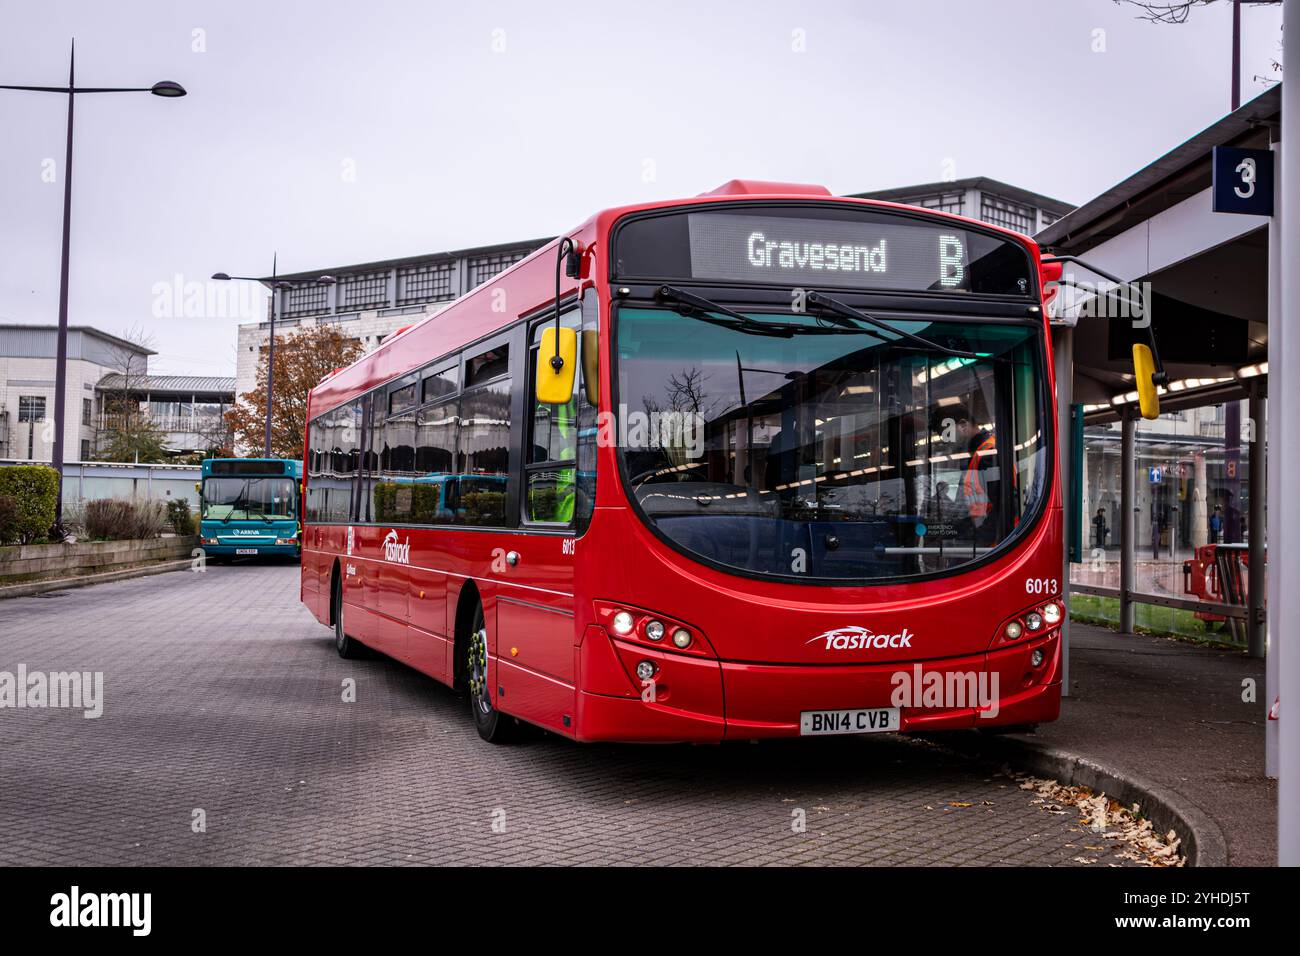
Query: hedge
x=33 y=489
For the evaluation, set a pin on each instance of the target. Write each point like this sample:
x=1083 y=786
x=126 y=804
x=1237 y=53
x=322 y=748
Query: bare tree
x=124 y=430
x=1179 y=12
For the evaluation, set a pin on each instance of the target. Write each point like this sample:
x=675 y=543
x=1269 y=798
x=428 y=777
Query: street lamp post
x=276 y=285
x=166 y=88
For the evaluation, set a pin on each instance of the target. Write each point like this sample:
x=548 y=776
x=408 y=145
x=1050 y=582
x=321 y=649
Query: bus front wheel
x=492 y=725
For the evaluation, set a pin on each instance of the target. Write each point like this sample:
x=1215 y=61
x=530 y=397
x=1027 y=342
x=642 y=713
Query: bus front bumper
x=705 y=700
x=219 y=547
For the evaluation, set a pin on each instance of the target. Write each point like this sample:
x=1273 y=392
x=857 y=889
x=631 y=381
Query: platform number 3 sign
x=1243 y=181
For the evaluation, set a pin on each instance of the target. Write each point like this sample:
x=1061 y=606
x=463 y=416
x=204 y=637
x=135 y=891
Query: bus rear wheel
x=492 y=725
x=348 y=647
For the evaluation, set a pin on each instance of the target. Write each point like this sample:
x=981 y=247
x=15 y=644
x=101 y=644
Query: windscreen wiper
x=846 y=314
x=697 y=307
x=234 y=505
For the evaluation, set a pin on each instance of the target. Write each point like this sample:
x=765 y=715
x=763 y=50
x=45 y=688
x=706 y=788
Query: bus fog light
x=623 y=622
x=655 y=630
x=1052 y=613
x=682 y=638
x=1033 y=620
x=1014 y=630
x=646 y=670
x=1036 y=658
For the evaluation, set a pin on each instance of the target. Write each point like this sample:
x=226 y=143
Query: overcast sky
x=341 y=132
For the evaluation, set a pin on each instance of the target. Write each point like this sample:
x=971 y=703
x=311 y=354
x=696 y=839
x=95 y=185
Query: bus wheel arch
x=492 y=725
x=468 y=601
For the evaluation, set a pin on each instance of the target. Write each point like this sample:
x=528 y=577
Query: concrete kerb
x=55 y=584
x=1203 y=842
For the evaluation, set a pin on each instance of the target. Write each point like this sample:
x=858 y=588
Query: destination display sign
x=798 y=248
x=820 y=252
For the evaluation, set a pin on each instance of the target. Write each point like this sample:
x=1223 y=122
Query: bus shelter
x=1166 y=519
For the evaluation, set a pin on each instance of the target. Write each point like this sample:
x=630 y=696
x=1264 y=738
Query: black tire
x=492 y=725
x=349 y=647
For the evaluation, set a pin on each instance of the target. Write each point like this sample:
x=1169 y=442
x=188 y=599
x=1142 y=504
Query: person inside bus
x=977 y=495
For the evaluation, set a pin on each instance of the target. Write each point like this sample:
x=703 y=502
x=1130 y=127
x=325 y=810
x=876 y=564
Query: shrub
x=33 y=489
x=114 y=519
x=179 y=516
x=8 y=520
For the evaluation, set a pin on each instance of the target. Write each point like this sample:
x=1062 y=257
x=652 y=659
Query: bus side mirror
x=557 y=364
x=590 y=367
x=1144 y=370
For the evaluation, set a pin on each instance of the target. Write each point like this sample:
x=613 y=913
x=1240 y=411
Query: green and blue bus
x=250 y=507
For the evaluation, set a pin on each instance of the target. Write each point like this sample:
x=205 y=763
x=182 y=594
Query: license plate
x=872 y=720
x=245 y=551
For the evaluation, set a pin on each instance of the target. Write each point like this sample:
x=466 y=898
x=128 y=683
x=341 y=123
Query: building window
x=953 y=202
x=85 y=449
x=364 y=289
x=482 y=268
x=87 y=411
x=1007 y=214
x=31 y=408
x=306 y=299
x=1047 y=217
x=424 y=283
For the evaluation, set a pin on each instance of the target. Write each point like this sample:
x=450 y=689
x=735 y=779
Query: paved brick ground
x=223 y=693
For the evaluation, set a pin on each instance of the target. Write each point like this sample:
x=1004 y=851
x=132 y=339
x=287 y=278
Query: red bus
x=761 y=463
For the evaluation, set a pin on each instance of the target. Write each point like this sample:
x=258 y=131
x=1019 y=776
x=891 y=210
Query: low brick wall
x=37 y=562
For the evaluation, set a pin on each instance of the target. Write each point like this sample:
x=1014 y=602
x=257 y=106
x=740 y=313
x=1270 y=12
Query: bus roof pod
x=762 y=187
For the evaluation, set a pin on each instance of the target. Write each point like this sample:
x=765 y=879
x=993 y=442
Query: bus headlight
x=655 y=630
x=1052 y=613
x=1036 y=658
x=682 y=638
x=1033 y=620
x=1014 y=630
x=646 y=670
x=623 y=622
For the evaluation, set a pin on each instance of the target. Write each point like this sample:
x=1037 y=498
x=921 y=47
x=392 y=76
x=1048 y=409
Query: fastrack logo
x=860 y=638
x=399 y=553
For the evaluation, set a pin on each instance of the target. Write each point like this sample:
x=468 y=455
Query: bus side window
x=550 y=465
x=483 y=443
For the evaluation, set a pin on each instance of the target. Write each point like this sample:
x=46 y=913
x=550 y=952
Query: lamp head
x=167 y=88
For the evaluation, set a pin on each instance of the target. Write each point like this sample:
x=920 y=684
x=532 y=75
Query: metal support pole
x=270 y=355
x=1256 y=628
x=1285 y=391
x=1127 y=507
x=1236 y=54
x=61 y=360
x=1274 y=413
x=1063 y=360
